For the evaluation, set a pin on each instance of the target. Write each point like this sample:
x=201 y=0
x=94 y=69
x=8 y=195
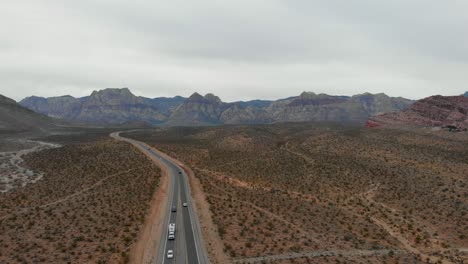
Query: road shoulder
x=145 y=248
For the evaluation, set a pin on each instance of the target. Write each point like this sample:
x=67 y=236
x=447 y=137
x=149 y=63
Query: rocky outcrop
x=432 y=111
x=209 y=110
x=118 y=106
x=198 y=110
x=63 y=107
x=166 y=105
x=322 y=107
x=237 y=114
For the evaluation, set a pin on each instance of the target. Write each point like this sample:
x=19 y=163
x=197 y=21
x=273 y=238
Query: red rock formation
x=432 y=111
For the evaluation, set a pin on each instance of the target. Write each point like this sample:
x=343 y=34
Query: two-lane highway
x=187 y=246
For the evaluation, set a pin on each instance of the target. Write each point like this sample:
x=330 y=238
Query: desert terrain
x=309 y=193
x=86 y=200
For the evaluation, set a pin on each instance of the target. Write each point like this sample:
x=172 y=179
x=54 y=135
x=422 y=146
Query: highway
x=187 y=246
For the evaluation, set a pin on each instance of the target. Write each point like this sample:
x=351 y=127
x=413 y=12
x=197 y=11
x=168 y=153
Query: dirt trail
x=276 y=217
x=312 y=254
x=369 y=198
x=101 y=181
x=12 y=173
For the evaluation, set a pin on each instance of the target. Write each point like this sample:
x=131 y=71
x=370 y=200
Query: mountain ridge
x=120 y=105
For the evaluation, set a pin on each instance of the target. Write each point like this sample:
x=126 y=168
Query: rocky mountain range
x=108 y=106
x=117 y=106
x=14 y=117
x=432 y=111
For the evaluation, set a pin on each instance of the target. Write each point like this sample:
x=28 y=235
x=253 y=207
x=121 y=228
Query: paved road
x=188 y=246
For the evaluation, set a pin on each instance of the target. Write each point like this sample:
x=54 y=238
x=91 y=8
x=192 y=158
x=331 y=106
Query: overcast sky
x=238 y=50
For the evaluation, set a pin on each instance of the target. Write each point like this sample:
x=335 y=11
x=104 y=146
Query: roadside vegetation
x=88 y=207
x=299 y=188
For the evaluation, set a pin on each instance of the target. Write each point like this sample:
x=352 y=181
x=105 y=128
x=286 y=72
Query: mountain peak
x=116 y=91
x=212 y=98
x=112 y=96
x=307 y=95
x=195 y=97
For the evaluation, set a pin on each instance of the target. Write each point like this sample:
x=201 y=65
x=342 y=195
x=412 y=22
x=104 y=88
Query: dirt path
x=68 y=197
x=276 y=217
x=12 y=173
x=319 y=253
x=368 y=197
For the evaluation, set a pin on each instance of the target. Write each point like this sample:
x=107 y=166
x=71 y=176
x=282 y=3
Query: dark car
x=180 y=172
x=173 y=209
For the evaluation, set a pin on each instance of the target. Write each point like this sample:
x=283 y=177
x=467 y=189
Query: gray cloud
x=235 y=49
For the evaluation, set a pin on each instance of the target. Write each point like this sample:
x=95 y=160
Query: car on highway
x=171 y=236
x=173 y=209
x=170 y=254
x=185 y=204
x=180 y=172
x=171 y=228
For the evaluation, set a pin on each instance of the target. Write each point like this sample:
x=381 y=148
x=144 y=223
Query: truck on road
x=171 y=235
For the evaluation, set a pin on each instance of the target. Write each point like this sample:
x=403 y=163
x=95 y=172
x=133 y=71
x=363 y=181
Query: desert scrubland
x=309 y=193
x=87 y=207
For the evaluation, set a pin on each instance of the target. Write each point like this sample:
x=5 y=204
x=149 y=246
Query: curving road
x=188 y=246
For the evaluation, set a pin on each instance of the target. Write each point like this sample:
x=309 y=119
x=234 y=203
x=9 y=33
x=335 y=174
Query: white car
x=170 y=254
x=171 y=237
x=185 y=204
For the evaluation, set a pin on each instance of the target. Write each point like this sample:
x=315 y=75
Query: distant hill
x=14 y=117
x=432 y=111
x=322 y=107
x=466 y=94
x=108 y=106
x=118 y=106
x=65 y=107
